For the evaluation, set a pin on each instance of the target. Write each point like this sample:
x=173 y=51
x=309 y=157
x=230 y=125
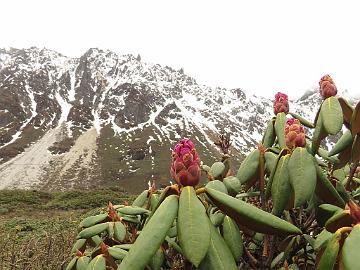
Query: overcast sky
x=260 y=46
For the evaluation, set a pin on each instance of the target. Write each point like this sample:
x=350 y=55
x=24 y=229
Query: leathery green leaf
x=302 y=120
x=82 y=263
x=272 y=174
x=270 y=161
x=328 y=258
x=339 y=220
x=91 y=221
x=269 y=135
x=331 y=115
x=345 y=140
x=157 y=260
x=250 y=216
x=79 y=245
x=98 y=263
x=71 y=264
x=350 y=250
x=302 y=175
x=249 y=167
x=322 y=239
x=218 y=256
x=232 y=185
x=193 y=226
x=325 y=190
x=280 y=129
x=152 y=235
x=132 y=210
x=232 y=237
x=141 y=199
x=216 y=169
x=117 y=253
x=355 y=121
x=119 y=231
x=281 y=189
x=91 y=231
x=319 y=135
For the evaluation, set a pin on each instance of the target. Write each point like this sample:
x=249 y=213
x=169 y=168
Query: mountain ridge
x=104 y=119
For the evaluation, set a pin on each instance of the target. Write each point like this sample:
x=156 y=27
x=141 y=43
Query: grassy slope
x=37 y=229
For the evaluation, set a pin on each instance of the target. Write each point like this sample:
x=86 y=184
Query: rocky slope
x=105 y=119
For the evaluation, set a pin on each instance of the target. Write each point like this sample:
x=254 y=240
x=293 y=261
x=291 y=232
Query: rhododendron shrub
x=292 y=203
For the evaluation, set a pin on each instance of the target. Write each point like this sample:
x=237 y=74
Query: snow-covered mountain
x=111 y=119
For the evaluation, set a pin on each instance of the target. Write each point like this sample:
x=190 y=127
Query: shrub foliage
x=292 y=204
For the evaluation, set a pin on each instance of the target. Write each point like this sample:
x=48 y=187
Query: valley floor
x=37 y=229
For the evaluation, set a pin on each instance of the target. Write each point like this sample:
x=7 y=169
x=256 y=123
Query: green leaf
x=302 y=120
x=350 y=250
x=217 y=169
x=302 y=174
x=249 y=167
x=206 y=168
x=193 y=226
x=71 y=264
x=250 y=216
x=216 y=216
x=325 y=155
x=111 y=229
x=132 y=210
x=79 y=245
x=355 y=121
x=281 y=189
x=272 y=174
x=319 y=135
x=321 y=239
x=96 y=240
x=151 y=236
x=325 y=190
x=218 y=256
x=158 y=260
x=82 y=263
x=270 y=161
x=345 y=140
x=269 y=135
x=98 y=263
x=217 y=185
x=232 y=185
x=91 y=231
x=172 y=232
x=330 y=208
x=339 y=220
x=117 y=253
x=328 y=258
x=174 y=245
x=232 y=237
x=280 y=129
x=331 y=115
x=141 y=199
x=119 y=231
x=91 y=221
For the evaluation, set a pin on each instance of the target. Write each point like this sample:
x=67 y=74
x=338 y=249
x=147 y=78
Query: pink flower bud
x=327 y=87
x=185 y=166
x=281 y=103
x=294 y=134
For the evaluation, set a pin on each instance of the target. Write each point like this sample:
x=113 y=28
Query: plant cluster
x=291 y=205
